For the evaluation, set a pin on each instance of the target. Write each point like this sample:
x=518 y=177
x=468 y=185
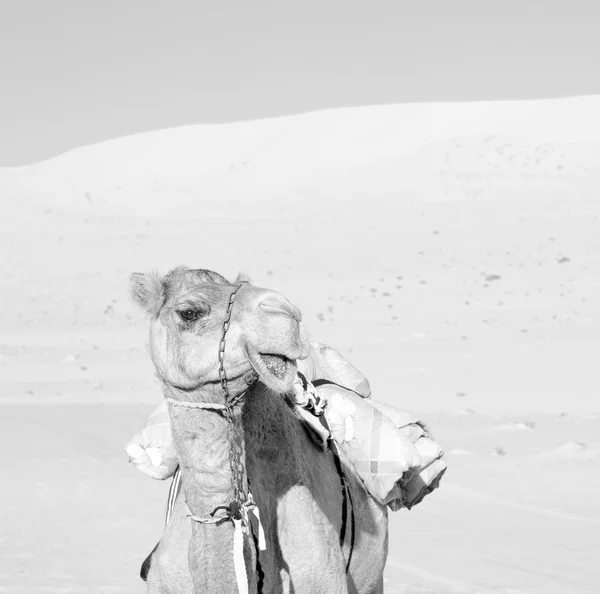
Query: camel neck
x=202 y=440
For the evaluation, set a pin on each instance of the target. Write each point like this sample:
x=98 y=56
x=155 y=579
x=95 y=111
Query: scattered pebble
x=492 y=277
x=497 y=452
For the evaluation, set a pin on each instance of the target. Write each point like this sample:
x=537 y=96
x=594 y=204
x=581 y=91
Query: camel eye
x=189 y=315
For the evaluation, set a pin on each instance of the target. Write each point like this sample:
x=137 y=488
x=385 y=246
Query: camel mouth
x=277 y=365
x=275 y=370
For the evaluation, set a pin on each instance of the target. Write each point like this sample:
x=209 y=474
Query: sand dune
x=451 y=251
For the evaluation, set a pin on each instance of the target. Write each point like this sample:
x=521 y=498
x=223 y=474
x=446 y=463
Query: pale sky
x=81 y=71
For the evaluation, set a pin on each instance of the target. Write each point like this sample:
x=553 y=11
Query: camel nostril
x=285 y=308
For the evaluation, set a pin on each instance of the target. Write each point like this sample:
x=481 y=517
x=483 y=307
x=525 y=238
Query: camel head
x=187 y=309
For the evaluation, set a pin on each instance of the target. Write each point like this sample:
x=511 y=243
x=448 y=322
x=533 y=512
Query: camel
x=213 y=342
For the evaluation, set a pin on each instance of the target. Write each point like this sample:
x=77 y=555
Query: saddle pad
x=391 y=450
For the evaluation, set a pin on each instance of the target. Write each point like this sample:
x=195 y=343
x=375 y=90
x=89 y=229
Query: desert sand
x=450 y=251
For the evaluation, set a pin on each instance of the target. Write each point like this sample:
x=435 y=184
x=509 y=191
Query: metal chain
x=226 y=322
x=236 y=449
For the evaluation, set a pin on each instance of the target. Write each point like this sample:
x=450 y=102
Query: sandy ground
x=458 y=267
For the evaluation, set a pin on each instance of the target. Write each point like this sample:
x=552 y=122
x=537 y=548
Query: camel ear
x=242 y=277
x=148 y=291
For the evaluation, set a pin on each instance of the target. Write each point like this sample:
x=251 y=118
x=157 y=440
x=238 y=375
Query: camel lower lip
x=278 y=365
